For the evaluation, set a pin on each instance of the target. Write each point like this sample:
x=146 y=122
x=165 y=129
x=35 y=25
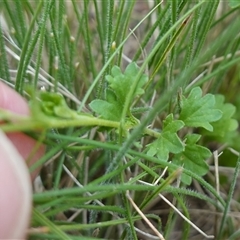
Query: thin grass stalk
x=172 y=55
x=78 y=38
x=79 y=202
x=14 y=22
x=20 y=18
x=166 y=25
x=174 y=17
x=47 y=156
x=55 y=237
x=59 y=171
x=27 y=50
x=187 y=192
x=119 y=31
x=100 y=27
x=72 y=54
x=230 y=48
x=171 y=220
x=42 y=26
x=65 y=77
x=150 y=33
x=168 y=48
x=193 y=39
x=102 y=86
x=159 y=188
x=76 y=191
x=49 y=204
x=222 y=39
x=123 y=31
x=129 y=216
x=219 y=70
x=39 y=217
x=60 y=20
x=206 y=24
x=76 y=204
x=120 y=14
x=222 y=18
x=186 y=225
x=4 y=66
x=235 y=235
x=95 y=225
x=88 y=40
x=109 y=29
x=229 y=199
x=141 y=155
x=50 y=47
x=28 y=7
x=147 y=169
x=80 y=20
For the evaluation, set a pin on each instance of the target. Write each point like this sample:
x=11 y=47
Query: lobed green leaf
x=119 y=86
x=168 y=141
x=198 y=111
x=121 y=83
x=107 y=110
x=192 y=158
x=226 y=123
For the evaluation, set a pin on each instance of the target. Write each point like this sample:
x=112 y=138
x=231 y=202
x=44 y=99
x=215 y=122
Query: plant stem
x=44 y=122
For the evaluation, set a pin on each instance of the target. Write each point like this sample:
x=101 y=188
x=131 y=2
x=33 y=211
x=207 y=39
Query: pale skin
x=15 y=180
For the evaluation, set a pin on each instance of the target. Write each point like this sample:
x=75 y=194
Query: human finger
x=15 y=192
x=14 y=102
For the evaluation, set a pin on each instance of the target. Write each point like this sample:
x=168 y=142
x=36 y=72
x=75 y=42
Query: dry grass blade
x=144 y=217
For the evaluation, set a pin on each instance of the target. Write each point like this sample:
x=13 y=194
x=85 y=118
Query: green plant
x=124 y=125
x=195 y=111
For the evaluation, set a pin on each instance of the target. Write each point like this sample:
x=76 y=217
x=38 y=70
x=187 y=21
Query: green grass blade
x=229 y=199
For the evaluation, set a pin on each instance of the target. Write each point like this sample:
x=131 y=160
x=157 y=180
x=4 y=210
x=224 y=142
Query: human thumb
x=15 y=192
